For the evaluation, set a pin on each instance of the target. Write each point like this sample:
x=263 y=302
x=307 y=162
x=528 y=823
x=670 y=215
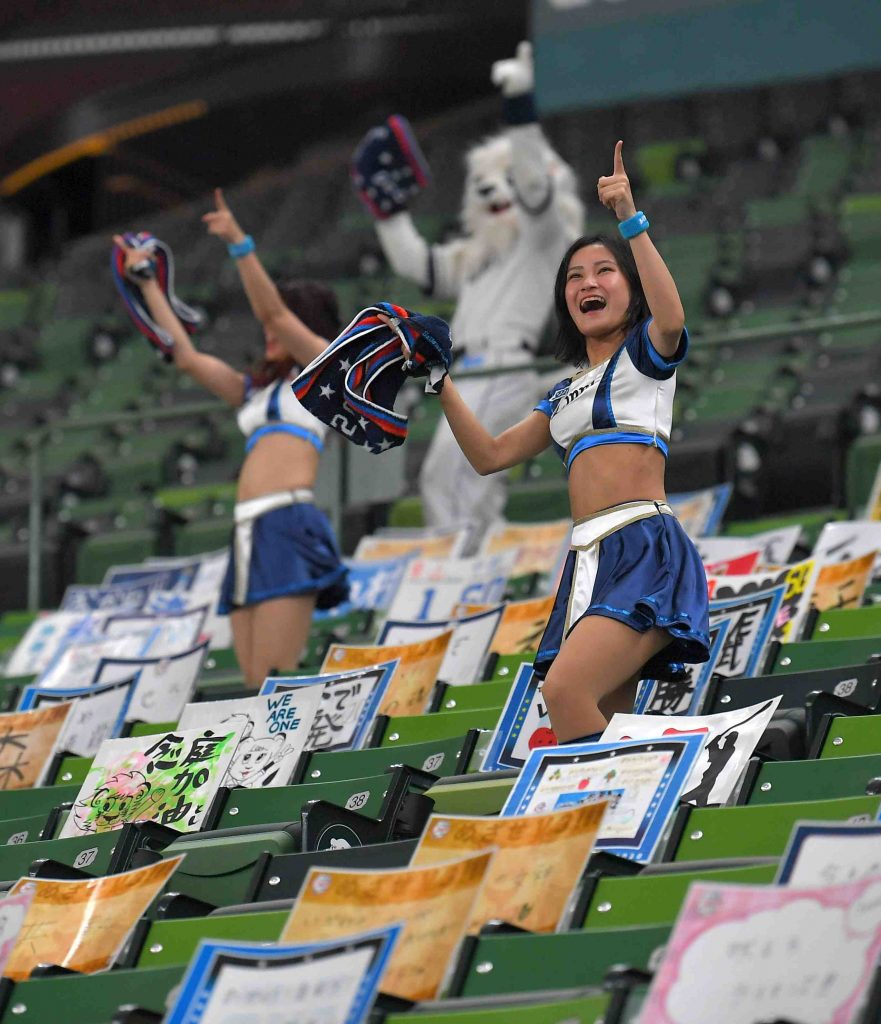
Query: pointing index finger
x=619 y=161
x=219 y=201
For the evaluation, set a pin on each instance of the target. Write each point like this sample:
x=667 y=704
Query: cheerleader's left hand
x=614 y=189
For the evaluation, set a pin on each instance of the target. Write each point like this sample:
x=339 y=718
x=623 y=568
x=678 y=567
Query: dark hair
x=316 y=305
x=570 y=341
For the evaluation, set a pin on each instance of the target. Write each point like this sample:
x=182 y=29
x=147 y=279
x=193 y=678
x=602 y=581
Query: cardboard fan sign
x=28 y=742
x=432 y=587
x=169 y=778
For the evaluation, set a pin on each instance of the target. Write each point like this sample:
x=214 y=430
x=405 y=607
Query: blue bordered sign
x=830 y=853
x=524 y=713
x=347 y=972
x=641 y=778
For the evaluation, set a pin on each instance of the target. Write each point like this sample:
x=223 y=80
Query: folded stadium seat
x=11 y=687
x=847 y=623
x=568 y=1005
x=473 y=794
x=807 y=655
x=199 y=537
x=773 y=782
x=95 y=555
x=16 y=623
x=14 y=559
x=87 y=998
x=653 y=896
x=860 y=684
x=157 y=944
x=723 y=833
x=505 y=666
x=848 y=736
x=106 y=853
x=469 y=698
x=534 y=502
x=69 y=770
x=40 y=800
x=14 y=831
x=449 y=756
x=403 y=729
x=863 y=458
x=280 y=877
x=491 y=964
x=15 y=304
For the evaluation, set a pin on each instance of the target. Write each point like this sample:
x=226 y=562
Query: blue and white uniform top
x=275 y=410
x=627 y=399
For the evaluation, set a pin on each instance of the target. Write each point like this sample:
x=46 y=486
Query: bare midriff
x=277 y=462
x=612 y=474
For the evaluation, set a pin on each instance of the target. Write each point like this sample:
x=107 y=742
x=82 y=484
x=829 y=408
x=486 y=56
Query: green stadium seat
x=401 y=730
x=481 y=796
x=774 y=782
x=89 y=998
x=648 y=898
x=847 y=623
x=440 y=757
x=850 y=737
x=72 y=770
x=27 y=803
x=506 y=666
x=494 y=964
x=95 y=555
x=723 y=833
x=538 y=1008
x=808 y=655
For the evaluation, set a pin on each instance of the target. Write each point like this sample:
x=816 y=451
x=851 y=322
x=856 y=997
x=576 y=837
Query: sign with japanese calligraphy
x=872 y=511
x=44 y=638
x=83 y=924
x=844 y=541
x=537 y=864
x=731 y=738
x=740 y=565
x=522 y=626
x=797 y=582
x=163 y=687
x=327 y=982
x=539 y=546
x=432 y=587
x=274 y=731
x=775 y=546
x=95 y=713
x=411 y=685
x=469 y=646
x=842 y=584
x=28 y=741
x=349 y=703
x=425 y=543
x=701 y=512
x=170 y=778
x=524 y=725
x=433 y=904
x=641 y=779
x=684 y=694
x=830 y=853
x=173 y=632
x=744 y=953
x=75 y=666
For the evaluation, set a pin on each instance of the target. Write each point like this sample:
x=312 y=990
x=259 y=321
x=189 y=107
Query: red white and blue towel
x=353 y=384
x=160 y=266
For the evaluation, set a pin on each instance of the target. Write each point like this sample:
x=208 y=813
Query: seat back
x=162 y=943
x=442 y=725
x=852 y=737
x=440 y=757
x=775 y=782
x=808 y=655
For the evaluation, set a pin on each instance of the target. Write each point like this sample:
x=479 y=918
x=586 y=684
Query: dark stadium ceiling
x=169 y=79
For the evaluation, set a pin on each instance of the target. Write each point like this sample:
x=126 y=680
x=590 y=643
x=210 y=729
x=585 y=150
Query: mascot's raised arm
x=520 y=211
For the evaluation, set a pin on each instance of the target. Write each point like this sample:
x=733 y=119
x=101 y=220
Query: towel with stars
x=161 y=266
x=388 y=168
x=353 y=384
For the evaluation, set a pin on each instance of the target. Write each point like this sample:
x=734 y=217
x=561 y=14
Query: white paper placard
x=96 y=713
x=163 y=687
x=845 y=541
x=731 y=738
x=432 y=587
x=830 y=853
x=77 y=663
x=173 y=632
x=274 y=729
x=44 y=638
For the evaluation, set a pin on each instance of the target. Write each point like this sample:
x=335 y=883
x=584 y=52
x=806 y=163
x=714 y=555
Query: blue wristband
x=239 y=249
x=634 y=225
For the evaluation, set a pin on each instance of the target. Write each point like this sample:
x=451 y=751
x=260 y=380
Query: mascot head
x=490 y=214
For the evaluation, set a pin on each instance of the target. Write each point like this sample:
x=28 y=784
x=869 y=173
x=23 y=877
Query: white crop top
x=628 y=399
x=274 y=410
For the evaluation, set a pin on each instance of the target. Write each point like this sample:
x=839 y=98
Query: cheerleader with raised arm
x=632 y=601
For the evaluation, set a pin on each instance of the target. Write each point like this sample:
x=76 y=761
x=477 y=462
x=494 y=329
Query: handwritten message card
x=163 y=687
x=169 y=778
x=744 y=953
x=327 y=982
x=412 y=682
x=95 y=713
x=537 y=863
x=830 y=853
x=433 y=904
x=274 y=731
x=28 y=739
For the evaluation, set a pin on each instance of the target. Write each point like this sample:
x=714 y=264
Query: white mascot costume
x=520 y=212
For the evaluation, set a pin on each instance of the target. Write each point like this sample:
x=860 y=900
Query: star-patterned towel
x=388 y=168
x=353 y=384
x=161 y=266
